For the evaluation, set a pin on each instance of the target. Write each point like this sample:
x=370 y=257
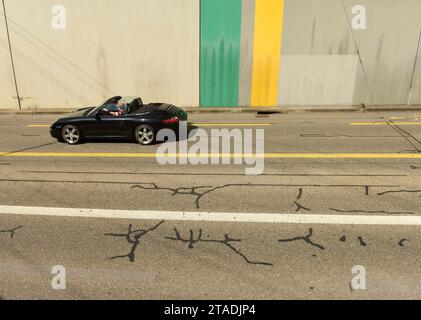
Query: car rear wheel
x=144 y=134
x=71 y=134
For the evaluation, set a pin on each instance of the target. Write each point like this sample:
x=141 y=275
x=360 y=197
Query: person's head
x=122 y=106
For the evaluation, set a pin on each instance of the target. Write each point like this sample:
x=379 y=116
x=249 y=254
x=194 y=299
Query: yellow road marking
x=383 y=123
x=38 y=125
x=230 y=124
x=217 y=155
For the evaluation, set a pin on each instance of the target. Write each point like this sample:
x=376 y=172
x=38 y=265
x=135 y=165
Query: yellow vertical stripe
x=266 y=52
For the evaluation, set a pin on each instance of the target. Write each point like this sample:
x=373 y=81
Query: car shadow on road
x=5 y=154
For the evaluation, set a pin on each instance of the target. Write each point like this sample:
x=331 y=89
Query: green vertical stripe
x=220 y=31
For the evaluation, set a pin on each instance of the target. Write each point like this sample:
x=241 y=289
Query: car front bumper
x=55 y=131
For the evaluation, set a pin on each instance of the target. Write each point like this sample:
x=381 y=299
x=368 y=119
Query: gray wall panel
x=143 y=47
x=387 y=48
x=7 y=90
x=416 y=83
x=246 y=52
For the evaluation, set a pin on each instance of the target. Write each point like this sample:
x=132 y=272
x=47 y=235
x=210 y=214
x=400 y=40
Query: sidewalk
x=245 y=109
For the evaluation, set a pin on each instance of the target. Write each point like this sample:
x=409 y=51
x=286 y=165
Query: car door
x=109 y=126
x=102 y=123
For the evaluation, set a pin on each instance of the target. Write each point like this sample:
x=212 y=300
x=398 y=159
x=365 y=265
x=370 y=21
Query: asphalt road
x=358 y=165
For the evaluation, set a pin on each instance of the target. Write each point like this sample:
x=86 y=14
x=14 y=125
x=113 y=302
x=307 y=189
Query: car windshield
x=88 y=110
x=94 y=110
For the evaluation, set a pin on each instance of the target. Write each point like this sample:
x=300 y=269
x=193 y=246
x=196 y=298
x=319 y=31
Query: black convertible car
x=121 y=118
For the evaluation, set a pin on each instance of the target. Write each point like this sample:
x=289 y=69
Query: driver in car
x=118 y=109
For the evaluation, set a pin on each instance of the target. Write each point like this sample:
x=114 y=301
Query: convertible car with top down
x=118 y=118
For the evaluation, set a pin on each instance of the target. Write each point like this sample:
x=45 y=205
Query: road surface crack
x=194 y=191
x=306 y=238
x=132 y=237
x=371 y=211
x=299 y=205
x=11 y=231
x=398 y=191
x=192 y=240
x=362 y=242
x=367 y=190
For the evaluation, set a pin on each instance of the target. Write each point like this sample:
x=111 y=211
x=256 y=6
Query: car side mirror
x=99 y=114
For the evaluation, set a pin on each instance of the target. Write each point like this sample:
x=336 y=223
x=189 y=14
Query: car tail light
x=171 y=120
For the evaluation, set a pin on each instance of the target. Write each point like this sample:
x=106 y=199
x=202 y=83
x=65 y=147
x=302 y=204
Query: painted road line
x=217 y=155
x=198 y=124
x=384 y=123
x=231 y=124
x=405 y=118
x=214 y=216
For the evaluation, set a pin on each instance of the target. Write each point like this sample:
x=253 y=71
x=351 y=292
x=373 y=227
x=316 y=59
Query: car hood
x=78 y=113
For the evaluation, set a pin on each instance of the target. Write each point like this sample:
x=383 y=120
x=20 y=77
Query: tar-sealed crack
x=195 y=191
x=371 y=211
x=227 y=241
x=398 y=191
x=306 y=238
x=359 y=238
x=299 y=205
x=175 y=191
x=11 y=231
x=132 y=237
x=362 y=242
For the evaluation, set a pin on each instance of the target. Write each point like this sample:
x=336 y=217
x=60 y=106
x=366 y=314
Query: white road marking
x=215 y=216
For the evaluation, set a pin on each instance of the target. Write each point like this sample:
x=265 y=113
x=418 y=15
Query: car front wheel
x=144 y=134
x=71 y=134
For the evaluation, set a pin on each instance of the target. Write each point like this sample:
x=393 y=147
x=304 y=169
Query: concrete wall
x=151 y=48
x=7 y=90
x=388 y=49
x=246 y=52
x=143 y=47
x=318 y=63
